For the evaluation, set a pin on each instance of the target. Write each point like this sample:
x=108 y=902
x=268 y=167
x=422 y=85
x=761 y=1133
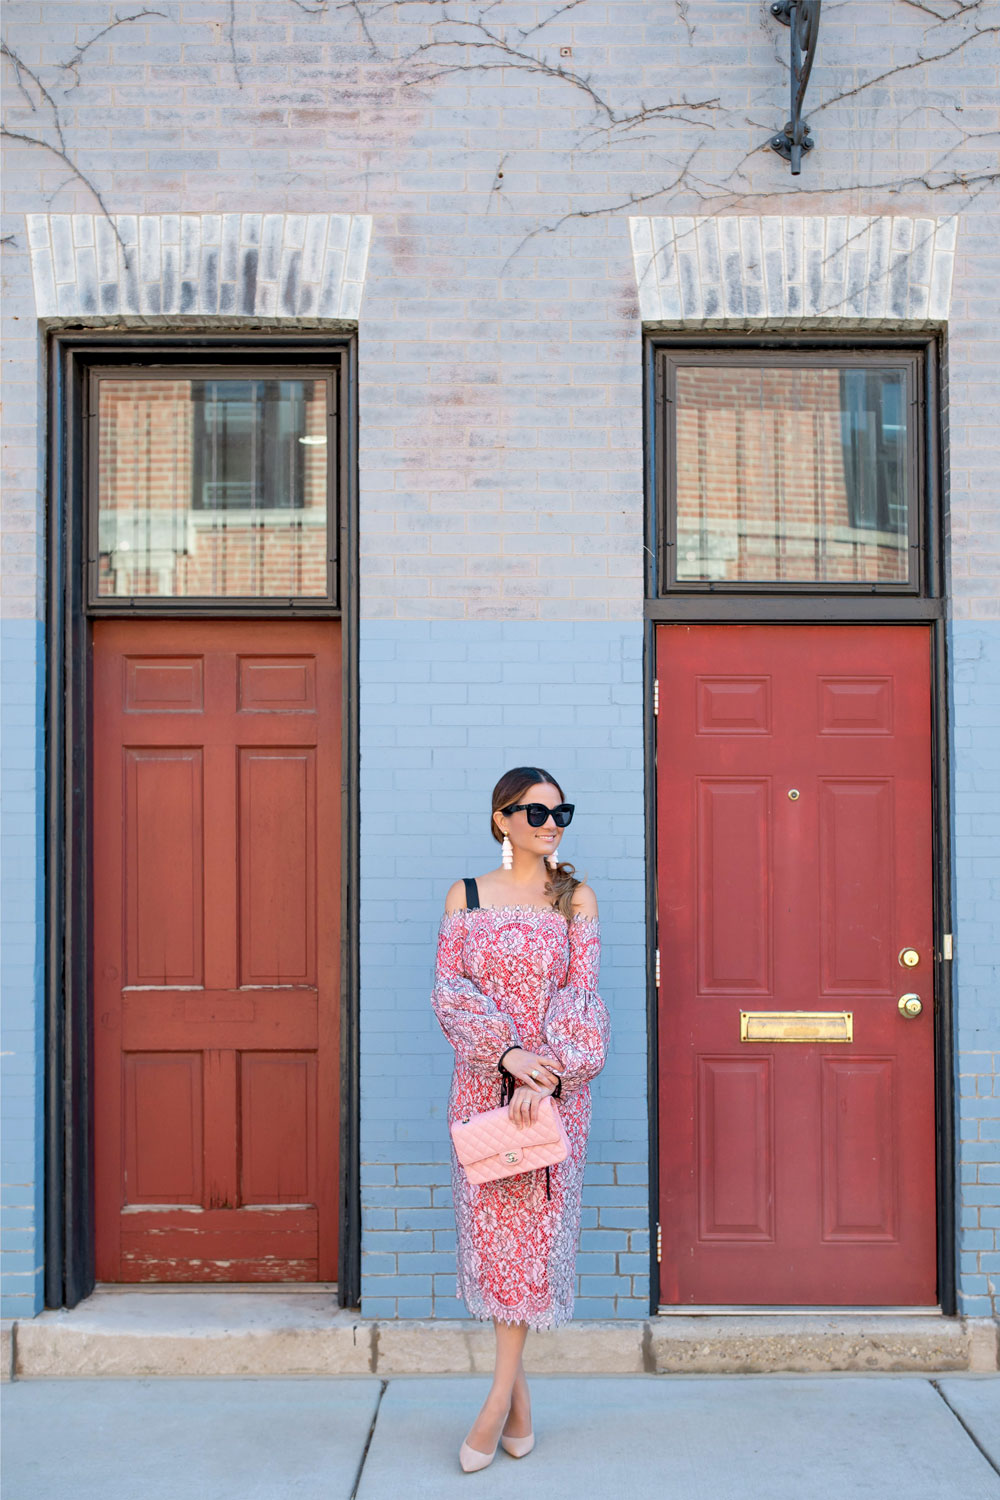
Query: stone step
x=817 y=1344
x=245 y=1333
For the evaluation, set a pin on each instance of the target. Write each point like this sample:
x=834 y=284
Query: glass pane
x=791 y=474
x=212 y=488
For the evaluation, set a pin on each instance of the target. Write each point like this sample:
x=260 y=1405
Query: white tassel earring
x=507 y=853
x=552 y=860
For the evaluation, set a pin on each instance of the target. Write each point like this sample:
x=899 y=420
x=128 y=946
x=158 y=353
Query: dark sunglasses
x=538 y=813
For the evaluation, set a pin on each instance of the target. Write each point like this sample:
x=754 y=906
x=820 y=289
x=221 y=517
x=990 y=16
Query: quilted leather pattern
x=490 y=1145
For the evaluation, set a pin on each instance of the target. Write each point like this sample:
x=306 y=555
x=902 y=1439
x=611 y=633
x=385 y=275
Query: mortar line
x=368 y=1441
x=963 y=1423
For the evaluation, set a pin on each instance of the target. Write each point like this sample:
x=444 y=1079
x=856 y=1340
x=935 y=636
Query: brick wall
x=973 y=560
x=446 y=709
x=22 y=696
x=501 y=429
x=22 y=659
x=975 y=734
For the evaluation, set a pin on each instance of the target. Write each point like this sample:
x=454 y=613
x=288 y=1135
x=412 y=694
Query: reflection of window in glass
x=248 y=444
x=873 y=427
x=788 y=472
x=212 y=487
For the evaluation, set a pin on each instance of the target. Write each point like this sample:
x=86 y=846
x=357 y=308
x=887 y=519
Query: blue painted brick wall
x=974 y=650
x=500 y=457
x=22 y=661
x=445 y=708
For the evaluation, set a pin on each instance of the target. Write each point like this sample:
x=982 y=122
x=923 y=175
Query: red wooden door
x=795 y=1173
x=216 y=806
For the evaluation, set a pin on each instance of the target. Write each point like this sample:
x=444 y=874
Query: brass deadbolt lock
x=910 y=1006
x=909 y=957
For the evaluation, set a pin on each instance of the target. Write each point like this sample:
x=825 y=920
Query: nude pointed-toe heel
x=518 y=1447
x=471 y=1459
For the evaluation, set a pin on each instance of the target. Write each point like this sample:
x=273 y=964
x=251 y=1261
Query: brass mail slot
x=796 y=1026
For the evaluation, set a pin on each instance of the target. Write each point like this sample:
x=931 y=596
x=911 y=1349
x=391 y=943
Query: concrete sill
x=140 y=1333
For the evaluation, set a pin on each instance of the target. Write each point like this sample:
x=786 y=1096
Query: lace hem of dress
x=556 y=1317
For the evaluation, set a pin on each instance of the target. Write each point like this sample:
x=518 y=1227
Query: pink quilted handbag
x=490 y=1145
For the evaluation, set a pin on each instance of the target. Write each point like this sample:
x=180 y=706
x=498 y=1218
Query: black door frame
x=758 y=607
x=69 y=1115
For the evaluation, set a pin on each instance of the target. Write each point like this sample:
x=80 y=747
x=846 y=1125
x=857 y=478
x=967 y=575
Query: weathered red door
x=216 y=806
x=793 y=770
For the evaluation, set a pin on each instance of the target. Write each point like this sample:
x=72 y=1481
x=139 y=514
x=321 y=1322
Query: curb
x=146 y=1334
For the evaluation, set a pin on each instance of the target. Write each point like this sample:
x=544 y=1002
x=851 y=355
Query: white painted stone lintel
x=233 y=265
x=779 y=270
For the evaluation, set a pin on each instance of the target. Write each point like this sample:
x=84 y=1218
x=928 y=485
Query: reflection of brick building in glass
x=212 y=488
x=793 y=474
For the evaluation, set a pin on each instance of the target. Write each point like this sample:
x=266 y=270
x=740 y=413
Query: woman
x=515 y=993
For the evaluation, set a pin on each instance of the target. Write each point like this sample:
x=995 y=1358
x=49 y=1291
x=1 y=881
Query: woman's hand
x=523 y=1107
x=522 y=1064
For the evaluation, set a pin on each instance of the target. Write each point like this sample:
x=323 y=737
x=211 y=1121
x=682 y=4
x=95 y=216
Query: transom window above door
x=788 y=470
x=213 y=483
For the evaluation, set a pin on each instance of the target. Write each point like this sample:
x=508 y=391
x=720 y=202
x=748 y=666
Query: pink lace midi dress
x=520 y=976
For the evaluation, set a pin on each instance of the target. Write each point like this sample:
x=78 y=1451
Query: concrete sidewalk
x=629 y=1437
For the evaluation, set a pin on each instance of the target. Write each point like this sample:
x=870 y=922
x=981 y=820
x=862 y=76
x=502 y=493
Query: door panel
x=216 y=949
x=795 y=1172
x=164 y=865
x=736 y=1181
x=733 y=950
x=277 y=858
x=859 y=1185
x=856 y=867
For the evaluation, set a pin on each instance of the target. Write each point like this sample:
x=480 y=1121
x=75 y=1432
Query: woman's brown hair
x=511 y=787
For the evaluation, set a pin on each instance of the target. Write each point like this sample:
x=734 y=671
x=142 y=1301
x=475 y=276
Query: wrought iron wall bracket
x=802 y=19
x=785 y=145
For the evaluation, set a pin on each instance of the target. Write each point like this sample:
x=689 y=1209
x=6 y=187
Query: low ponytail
x=562 y=882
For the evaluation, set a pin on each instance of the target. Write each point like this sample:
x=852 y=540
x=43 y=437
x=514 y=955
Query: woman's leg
x=485 y=1430
x=518 y=1423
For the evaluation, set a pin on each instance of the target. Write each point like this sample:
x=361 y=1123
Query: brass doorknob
x=910 y=1006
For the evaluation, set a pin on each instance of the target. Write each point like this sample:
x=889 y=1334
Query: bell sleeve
x=577 y=1026
x=473 y=1023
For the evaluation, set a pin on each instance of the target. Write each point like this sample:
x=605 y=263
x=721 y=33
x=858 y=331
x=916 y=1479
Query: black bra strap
x=471 y=893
